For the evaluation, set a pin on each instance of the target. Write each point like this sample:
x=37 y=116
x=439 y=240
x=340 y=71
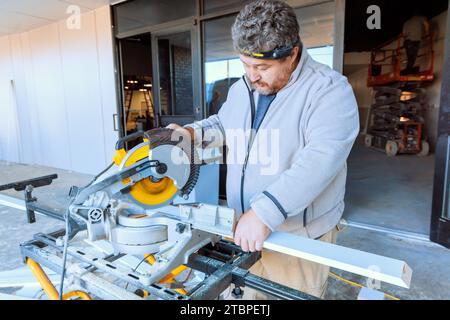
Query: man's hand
x=187 y=132
x=250 y=232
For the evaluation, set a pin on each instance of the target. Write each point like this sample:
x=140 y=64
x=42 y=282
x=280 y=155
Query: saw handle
x=120 y=144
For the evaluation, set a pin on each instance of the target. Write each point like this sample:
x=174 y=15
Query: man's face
x=269 y=76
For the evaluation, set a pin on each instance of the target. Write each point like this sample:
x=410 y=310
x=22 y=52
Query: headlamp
x=275 y=54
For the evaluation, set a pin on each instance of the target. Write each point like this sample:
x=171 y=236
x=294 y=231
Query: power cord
x=66 y=236
x=98 y=175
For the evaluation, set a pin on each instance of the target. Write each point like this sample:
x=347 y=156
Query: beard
x=263 y=88
x=276 y=85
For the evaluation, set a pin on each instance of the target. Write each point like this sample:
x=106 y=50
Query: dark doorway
x=385 y=189
x=137 y=83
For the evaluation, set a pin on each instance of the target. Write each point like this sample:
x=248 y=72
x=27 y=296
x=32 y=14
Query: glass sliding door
x=137 y=109
x=176 y=76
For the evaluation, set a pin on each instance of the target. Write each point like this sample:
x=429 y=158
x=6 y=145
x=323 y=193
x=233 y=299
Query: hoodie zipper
x=252 y=105
x=250 y=141
x=253 y=132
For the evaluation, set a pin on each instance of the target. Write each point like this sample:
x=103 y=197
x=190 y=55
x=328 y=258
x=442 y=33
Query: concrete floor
x=55 y=194
x=390 y=192
x=14 y=228
x=429 y=262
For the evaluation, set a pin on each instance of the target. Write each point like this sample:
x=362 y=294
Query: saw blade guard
x=177 y=172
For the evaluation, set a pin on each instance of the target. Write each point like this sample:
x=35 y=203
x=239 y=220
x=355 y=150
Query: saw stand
x=96 y=267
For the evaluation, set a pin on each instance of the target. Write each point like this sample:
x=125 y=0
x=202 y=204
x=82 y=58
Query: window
x=175 y=74
x=143 y=13
x=219 y=77
x=316 y=24
x=137 y=104
x=222 y=64
x=322 y=54
x=219 y=5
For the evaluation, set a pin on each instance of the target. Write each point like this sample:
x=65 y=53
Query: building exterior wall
x=58 y=95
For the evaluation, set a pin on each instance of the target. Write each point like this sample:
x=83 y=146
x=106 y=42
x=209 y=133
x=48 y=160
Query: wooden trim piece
x=355 y=261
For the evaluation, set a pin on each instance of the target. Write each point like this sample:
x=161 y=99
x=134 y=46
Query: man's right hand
x=188 y=132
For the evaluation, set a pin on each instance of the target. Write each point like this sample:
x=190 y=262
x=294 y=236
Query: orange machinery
x=384 y=74
x=386 y=62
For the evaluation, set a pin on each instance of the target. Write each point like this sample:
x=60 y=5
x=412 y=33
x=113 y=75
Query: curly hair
x=265 y=25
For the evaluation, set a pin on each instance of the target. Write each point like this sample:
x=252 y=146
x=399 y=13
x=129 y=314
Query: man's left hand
x=250 y=232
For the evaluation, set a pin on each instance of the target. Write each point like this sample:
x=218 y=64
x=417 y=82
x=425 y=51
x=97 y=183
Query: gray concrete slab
x=429 y=262
x=391 y=192
x=55 y=194
x=14 y=228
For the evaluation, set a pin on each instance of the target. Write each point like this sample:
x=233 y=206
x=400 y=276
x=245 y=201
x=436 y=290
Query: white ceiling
x=18 y=16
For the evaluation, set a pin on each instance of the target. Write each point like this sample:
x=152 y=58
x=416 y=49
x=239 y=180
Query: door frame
x=440 y=216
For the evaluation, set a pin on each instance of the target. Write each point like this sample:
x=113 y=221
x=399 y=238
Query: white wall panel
x=50 y=102
x=33 y=113
x=9 y=134
x=83 y=101
x=58 y=109
x=20 y=97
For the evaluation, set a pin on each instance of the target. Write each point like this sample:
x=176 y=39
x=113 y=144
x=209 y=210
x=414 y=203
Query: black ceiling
x=393 y=14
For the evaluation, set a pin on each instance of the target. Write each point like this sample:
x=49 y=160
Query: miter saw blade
x=177 y=172
x=164 y=136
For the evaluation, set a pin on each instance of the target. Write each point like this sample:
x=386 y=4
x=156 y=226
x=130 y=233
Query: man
x=414 y=29
x=313 y=112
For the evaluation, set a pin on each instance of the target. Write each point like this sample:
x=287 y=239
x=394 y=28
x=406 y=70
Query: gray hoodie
x=293 y=174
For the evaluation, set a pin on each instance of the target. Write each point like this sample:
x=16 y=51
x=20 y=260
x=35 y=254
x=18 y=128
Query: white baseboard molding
x=363 y=263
